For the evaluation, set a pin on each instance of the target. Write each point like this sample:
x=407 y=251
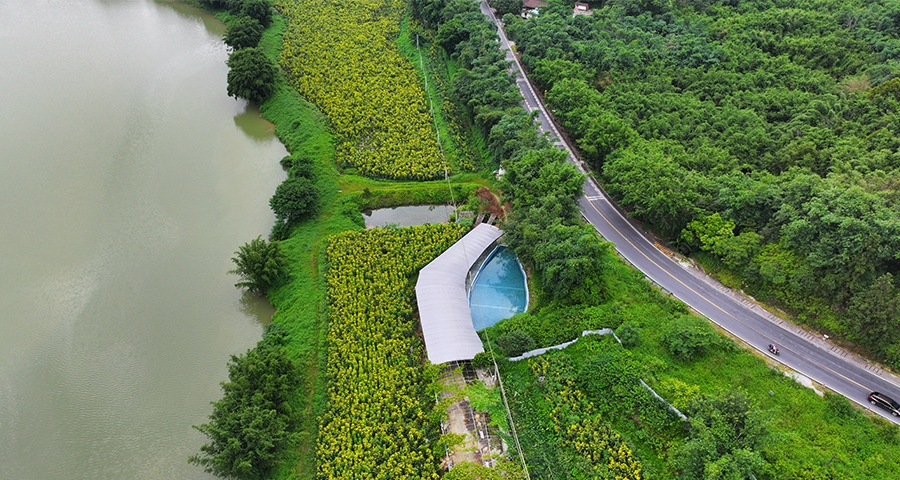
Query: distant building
x=530 y=7
x=581 y=9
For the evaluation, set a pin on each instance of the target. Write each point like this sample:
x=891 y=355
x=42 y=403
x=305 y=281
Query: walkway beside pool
x=443 y=300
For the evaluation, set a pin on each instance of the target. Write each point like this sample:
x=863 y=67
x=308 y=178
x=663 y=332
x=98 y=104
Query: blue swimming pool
x=499 y=290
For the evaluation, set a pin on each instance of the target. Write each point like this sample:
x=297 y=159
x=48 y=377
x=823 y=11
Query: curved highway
x=803 y=352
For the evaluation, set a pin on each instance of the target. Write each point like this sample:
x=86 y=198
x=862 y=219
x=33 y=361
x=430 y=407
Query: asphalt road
x=803 y=352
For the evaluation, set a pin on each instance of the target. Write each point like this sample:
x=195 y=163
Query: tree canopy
x=726 y=435
x=506 y=6
x=244 y=32
x=252 y=75
x=259 y=10
x=252 y=426
x=260 y=264
x=729 y=126
x=294 y=199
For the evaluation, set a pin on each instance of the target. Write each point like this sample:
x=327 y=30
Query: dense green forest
x=766 y=132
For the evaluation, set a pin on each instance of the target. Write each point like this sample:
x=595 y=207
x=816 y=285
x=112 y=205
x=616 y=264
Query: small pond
x=408 y=216
x=499 y=290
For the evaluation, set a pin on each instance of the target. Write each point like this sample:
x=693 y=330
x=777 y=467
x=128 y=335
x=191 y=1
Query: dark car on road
x=885 y=402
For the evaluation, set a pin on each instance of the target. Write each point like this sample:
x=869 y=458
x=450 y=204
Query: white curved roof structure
x=444 y=302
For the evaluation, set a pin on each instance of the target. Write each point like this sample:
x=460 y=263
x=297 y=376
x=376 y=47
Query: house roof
x=530 y=4
x=444 y=302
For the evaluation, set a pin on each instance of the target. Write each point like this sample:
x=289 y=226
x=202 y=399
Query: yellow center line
x=713 y=304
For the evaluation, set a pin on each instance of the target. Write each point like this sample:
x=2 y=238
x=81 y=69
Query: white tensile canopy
x=443 y=300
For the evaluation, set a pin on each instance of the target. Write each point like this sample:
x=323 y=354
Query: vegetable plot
x=342 y=57
x=378 y=420
x=579 y=428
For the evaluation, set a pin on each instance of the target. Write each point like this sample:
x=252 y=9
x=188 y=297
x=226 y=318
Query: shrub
x=727 y=433
x=294 y=199
x=688 y=337
x=506 y=6
x=245 y=32
x=350 y=209
x=579 y=428
x=629 y=334
x=253 y=425
x=252 y=75
x=259 y=10
x=259 y=263
x=280 y=231
x=839 y=408
x=302 y=166
x=482 y=360
x=516 y=342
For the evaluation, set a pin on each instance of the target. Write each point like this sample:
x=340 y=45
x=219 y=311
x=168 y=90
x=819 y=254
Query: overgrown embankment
x=684 y=360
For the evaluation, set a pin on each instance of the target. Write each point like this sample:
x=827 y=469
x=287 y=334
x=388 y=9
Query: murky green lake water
x=127 y=180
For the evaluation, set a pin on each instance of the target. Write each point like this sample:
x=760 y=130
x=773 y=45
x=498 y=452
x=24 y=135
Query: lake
x=128 y=178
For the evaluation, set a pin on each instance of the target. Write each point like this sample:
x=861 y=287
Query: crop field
x=342 y=56
x=379 y=407
x=580 y=428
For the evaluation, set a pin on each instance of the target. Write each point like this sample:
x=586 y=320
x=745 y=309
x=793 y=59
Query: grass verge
x=300 y=299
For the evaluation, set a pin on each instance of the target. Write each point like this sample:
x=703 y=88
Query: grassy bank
x=300 y=300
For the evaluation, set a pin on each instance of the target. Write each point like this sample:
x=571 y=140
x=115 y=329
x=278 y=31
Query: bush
x=302 y=166
x=259 y=263
x=253 y=425
x=215 y=3
x=688 y=337
x=350 y=209
x=839 y=408
x=245 y=32
x=482 y=360
x=629 y=334
x=294 y=199
x=516 y=342
x=280 y=231
x=727 y=433
x=252 y=75
x=259 y=10
x=506 y=6
x=610 y=379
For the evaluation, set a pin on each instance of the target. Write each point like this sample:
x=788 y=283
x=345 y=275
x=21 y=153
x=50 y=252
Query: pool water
x=499 y=290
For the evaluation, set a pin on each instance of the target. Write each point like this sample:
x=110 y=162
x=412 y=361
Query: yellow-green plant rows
x=377 y=415
x=584 y=431
x=342 y=56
